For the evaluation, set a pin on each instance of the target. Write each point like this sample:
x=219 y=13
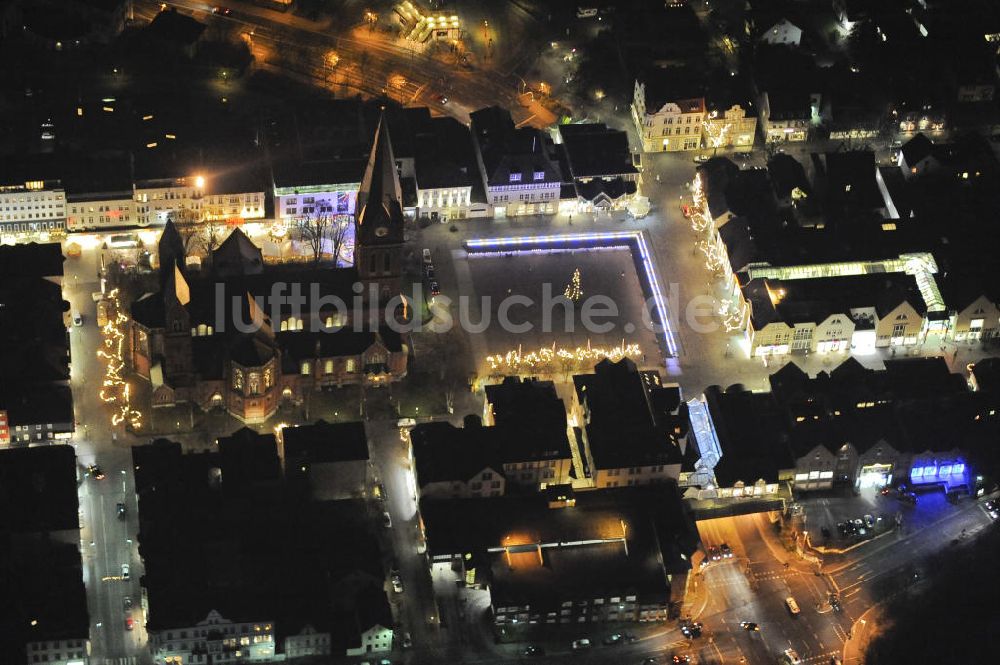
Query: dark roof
x=752 y=435
x=237 y=255
x=446 y=157
x=446 y=453
x=596 y=151
x=917 y=148
x=506 y=150
x=655 y=517
x=324 y=442
x=530 y=404
x=38 y=403
x=683 y=86
x=786 y=173
x=176 y=27
x=38 y=490
x=629 y=424
x=248 y=457
x=801 y=300
x=789 y=105
x=850 y=181
x=31 y=260
x=318 y=172
x=200 y=536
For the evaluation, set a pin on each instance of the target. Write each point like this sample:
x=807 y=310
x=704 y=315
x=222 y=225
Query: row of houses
x=912 y=423
x=845 y=261
x=448 y=171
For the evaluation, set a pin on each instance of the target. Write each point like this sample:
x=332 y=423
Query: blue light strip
x=524 y=244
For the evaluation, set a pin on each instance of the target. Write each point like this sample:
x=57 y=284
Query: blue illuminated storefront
x=950 y=472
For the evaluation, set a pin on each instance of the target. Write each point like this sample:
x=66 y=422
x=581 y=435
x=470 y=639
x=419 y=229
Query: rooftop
x=634 y=418
x=324 y=442
x=813 y=300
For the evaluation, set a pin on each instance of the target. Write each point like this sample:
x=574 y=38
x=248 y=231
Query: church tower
x=378 y=221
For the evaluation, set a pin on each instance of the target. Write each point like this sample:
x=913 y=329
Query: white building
x=100 y=210
x=212 y=641
x=158 y=199
x=377 y=639
x=782 y=32
x=34 y=206
x=665 y=123
x=307 y=642
x=518 y=166
x=316 y=189
x=58 y=652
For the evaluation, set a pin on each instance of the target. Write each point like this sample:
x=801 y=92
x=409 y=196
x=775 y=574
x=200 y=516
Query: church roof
x=379 y=208
x=237 y=255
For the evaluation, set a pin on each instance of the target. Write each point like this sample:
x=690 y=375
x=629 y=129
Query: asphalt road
x=106 y=541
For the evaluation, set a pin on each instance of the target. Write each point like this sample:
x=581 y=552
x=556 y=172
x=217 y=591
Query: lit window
x=306 y=369
x=539 y=175
x=515 y=177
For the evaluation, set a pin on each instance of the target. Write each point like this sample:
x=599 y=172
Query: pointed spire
x=380 y=196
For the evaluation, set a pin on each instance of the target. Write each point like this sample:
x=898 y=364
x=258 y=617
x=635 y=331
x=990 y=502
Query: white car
x=793 y=607
x=583 y=643
x=124 y=571
x=397 y=583
x=791 y=657
x=427 y=255
x=77 y=318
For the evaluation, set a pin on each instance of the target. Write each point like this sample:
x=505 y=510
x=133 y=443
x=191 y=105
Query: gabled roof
x=594 y=150
x=176 y=27
x=917 y=149
x=237 y=255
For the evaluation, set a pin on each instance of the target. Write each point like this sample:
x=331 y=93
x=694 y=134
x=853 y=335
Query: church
x=183 y=339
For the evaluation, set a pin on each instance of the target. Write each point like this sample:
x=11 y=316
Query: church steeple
x=379 y=210
x=378 y=218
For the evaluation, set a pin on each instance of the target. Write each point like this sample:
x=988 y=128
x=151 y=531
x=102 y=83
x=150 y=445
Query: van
x=792 y=606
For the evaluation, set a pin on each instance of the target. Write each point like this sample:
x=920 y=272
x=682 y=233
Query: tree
x=314 y=231
x=341 y=231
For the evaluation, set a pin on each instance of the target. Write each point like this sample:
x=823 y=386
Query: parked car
x=792 y=606
x=582 y=643
x=407 y=641
x=397 y=583
x=700 y=159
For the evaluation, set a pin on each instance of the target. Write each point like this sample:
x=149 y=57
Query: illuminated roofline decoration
x=635 y=240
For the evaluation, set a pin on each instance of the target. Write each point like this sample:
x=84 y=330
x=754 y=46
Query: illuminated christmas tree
x=573 y=290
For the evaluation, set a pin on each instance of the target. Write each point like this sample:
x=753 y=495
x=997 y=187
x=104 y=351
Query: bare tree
x=340 y=232
x=315 y=231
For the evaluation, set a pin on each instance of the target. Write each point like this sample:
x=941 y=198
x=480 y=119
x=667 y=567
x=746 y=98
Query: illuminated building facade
x=32 y=207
